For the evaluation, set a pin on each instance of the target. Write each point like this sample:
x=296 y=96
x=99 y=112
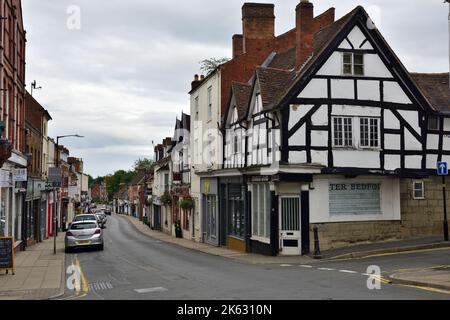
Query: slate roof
x=242 y=93
x=284 y=60
x=435 y=87
x=271 y=83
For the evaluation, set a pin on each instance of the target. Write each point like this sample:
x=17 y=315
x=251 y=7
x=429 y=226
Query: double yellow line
x=83 y=289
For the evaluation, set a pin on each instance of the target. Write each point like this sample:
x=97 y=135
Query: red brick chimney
x=258 y=22
x=304 y=32
x=238 y=45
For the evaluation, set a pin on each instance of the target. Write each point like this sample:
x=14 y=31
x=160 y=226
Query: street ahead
x=134 y=266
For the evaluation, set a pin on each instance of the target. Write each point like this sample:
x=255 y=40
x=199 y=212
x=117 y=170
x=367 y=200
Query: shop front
x=355 y=209
x=278 y=214
x=233 y=205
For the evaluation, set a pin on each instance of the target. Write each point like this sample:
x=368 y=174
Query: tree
x=114 y=181
x=143 y=164
x=210 y=65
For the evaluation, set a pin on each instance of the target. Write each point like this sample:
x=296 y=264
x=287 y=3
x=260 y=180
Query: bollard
x=317 y=254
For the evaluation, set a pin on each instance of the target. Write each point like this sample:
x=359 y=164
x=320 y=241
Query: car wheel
x=101 y=247
x=68 y=250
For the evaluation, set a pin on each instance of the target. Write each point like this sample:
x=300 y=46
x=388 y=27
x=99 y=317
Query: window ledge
x=259 y=239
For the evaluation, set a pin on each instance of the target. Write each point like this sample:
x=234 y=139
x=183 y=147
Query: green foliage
x=114 y=181
x=144 y=164
x=210 y=65
x=187 y=204
x=166 y=199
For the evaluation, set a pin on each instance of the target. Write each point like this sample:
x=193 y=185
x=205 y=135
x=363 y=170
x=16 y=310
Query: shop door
x=157 y=218
x=211 y=232
x=290 y=235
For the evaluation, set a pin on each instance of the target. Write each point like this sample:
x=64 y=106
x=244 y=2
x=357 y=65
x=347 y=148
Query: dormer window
x=353 y=63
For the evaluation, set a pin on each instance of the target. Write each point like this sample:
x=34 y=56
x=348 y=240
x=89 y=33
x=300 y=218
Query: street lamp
x=35 y=87
x=57 y=165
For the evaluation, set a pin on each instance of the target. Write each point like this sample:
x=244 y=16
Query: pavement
x=385 y=247
x=39 y=273
x=435 y=277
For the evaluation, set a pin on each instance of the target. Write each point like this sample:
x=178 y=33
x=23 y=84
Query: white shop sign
x=20 y=175
x=355 y=198
x=5 y=179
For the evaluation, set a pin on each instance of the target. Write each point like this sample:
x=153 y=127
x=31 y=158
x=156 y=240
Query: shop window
x=211 y=206
x=236 y=207
x=418 y=190
x=261 y=208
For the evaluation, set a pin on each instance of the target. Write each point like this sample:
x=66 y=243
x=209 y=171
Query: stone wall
x=423 y=217
x=337 y=235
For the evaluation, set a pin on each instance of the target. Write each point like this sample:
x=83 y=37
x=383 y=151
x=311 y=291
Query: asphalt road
x=136 y=267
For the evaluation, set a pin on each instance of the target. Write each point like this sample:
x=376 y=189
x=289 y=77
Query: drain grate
x=100 y=286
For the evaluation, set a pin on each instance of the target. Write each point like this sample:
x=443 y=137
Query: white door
x=290 y=226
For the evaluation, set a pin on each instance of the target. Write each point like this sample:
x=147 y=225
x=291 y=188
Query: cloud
x=124 y=76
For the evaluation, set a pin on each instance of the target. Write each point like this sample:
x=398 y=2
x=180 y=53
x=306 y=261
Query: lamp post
x=57 y=198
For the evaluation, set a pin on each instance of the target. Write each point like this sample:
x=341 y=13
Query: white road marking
x=286 y=265
x=348 y=271
x=305 y=266
x=151 y=290
x=326 y=269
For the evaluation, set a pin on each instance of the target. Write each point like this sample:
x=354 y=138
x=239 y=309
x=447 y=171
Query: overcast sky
x=123 y=77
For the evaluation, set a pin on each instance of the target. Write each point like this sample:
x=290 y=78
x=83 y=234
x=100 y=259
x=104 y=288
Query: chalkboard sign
x=7 y=253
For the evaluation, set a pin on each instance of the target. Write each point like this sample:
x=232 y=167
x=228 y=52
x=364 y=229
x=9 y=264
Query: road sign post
x=443 y=171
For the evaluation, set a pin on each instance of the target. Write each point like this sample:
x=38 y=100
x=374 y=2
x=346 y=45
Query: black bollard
x=317 y=254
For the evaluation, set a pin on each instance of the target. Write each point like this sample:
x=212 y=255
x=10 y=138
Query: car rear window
x=84 y=218
x=83 y=226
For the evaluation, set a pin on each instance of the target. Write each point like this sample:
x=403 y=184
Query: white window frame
x=343 y=145
x=265 y=213
x=356 y=142
x=422 y=189
x=352 y=55
x=370 y=131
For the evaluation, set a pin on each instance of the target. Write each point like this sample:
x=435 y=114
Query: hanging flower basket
x=166 y=199
x=187 y=204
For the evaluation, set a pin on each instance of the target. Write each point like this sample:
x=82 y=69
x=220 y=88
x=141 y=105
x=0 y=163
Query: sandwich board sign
x=7 y=254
